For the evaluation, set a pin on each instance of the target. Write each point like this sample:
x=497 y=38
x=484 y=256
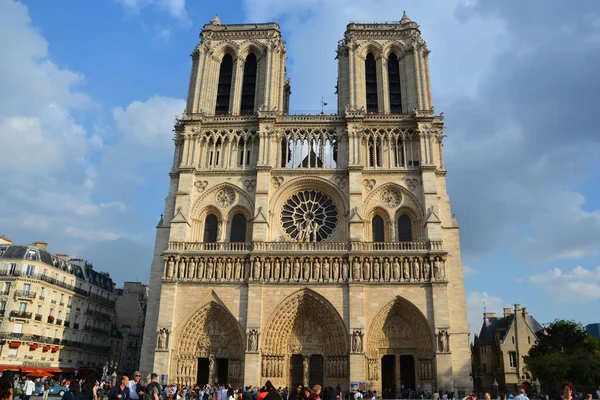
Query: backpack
x=148 y=395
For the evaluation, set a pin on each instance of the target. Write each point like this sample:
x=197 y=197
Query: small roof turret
x=405 y=20
x=216 y=20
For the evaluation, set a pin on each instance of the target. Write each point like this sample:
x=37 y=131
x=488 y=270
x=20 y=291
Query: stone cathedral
x=309 y=248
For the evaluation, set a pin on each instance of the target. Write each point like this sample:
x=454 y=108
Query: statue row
x=306 y=269
x=272 y=366
x=337 y=367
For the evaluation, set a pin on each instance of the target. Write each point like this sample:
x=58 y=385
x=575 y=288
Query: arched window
x=211 y=227
x=374 y=148
x=371 y=83
x=248 y=85
x=404 y=229
x=238 y=228
x=394 y=84
x=377 y=228
x=214 y=156
x=224 y=87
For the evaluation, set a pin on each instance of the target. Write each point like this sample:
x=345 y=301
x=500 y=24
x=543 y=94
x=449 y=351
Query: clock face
x=309 y=216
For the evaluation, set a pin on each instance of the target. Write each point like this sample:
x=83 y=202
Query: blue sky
x=88 y=92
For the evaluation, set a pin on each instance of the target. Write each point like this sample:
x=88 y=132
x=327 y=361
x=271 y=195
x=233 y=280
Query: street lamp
x=495 y=384
x=537 y=386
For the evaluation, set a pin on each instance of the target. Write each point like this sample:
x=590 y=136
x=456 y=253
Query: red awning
x=39 y=373
x=13 y=368
x=46 y=348
x=55 y=349
x=14 y=345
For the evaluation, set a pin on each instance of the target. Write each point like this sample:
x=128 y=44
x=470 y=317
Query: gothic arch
x=312 y=183
x=250 y=46
x=373 y=47
x=400 y=326
x=242 y=199
x=209 y=331
x=387 y=220
x=238 y=209
x=395 y=47
x=307 y=323
x=409 y=200
x=415 y=221
x=225 y=48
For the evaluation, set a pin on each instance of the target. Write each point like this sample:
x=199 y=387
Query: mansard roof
x=491 y=325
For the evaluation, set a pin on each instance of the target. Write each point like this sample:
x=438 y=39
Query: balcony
x=75 y=325
x=5 y=292
x=59 y=322
x=52 y=301
x=61 y=304
x=50 y=319
x=38 y=317
x=42 y=297
x=98 y=314
x=2 y=313
x=20 y=314
x=67 y=323
x=25 y=294
x=201 y=246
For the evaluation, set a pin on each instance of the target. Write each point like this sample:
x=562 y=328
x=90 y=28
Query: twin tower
x=309 y=249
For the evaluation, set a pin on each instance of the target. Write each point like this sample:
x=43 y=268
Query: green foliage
x=565 y=353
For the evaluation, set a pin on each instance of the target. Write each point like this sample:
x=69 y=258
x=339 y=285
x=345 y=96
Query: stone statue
x=296 y=269
x=376 y=270
x=170 y=268
x=316 y=269
x=426 y=270
x=357 y=342
x=396 y=270
x=345 y=270
x=326 y=269
x=192 y=269
x=436 y=270
x=247 y=269
x=253 y=341
x=336 y=269
x=267 y=269
x=237 y=269
x=211 y=366
x=219 y=270
x=406 y=270
x=306 y=269
x=200 y=269
x=210 y=269
x=276 y=270
x=305 y=368
x=181 y=269
x=228 y=268
x=356 y=269
x=105 y=369
x=441 y=342
x=257 y=267
x=287 y=269
x=367 y=270
x=386 y=270
x=163 y=339
x=415 y=270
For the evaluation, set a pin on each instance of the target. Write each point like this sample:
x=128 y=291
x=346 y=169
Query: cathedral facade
x=308 y=248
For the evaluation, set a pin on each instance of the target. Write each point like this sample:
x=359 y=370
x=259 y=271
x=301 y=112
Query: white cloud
x=469 y=270
x=579 y=284
x=176 y=8
x=476 y=302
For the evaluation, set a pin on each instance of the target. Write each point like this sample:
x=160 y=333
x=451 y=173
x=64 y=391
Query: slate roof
x=501 y=324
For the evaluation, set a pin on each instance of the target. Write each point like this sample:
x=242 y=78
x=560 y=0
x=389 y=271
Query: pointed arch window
x=224 y=86
x=394 y=84
x=238 y=228
x=404 y=229
x=378 y=229
x=211 y=227
x=371 y=83
x=248 y=85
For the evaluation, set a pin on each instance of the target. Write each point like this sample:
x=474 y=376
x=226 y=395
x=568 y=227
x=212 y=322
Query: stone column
x=236 y=86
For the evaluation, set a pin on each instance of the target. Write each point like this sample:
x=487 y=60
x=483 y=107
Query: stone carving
x=386 y=270
x=415 y=270
x=376 y=270
x=277 y=181
x=326 y=269
x=367 y=270
x=286 y=269
x=373 y=370
x=436 y=270
x=200 y=269
x=277 y=269
x=296 y=269
x=369 y=184
x=309 y=216
x=201 y=185
x=316 y=270
x=256 y=269
x=411 y=184
x=345 y=270
x=181 y=269
x=191 y=269
x=250 y=185
x=267 y=269
x=443 y=341
x=219 y=269
x=225 y=197
x=340 y=181
x=237 y=269
x=396 y=269
x=163 y=339
x=425 y=369
x=306 y=269
x=405 y=270
x=170 y=268
x=391 y=198
x=356 y=269
x=210 y=269
x=426 y=270
x=253 y=341
x=357 y=341
x=228 y=268
x=335 y=270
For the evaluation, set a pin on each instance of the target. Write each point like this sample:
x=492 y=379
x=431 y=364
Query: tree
x=565 y=352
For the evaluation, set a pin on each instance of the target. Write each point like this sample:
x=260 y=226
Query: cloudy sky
x=88 y=92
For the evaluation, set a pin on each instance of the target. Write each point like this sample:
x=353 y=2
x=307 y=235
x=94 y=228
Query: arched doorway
x=400 y=350
x=210 y=349
x=305 y=342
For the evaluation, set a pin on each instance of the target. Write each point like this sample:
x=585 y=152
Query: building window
x=17 y=328
x=7 y=287
x=528 y=339
x=238 y=228
x=512 y=359
x=404 y=229
x=39 y=310
x=30 y=270
x=394 y=84
x=26 y=288
x=513 y=340
x=211 y=227
x=378 y=229
x=248 y=85
x=371 y=83
x=12 y=353
x=42 y=293
x=3 y=305
x=224 y=85
x=22 y=307
x=13 y=269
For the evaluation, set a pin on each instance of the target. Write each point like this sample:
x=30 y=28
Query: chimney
x=507 y=312
x=517 y=308
x=524 y=311
x=41 y=245
x=487 y=315
x=63 y=257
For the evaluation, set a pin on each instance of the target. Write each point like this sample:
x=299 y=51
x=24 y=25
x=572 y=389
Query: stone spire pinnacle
x=405 y=19
x=216 y=20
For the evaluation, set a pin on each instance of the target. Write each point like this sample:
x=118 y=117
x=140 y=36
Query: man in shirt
x=153 y=388
x=28 y=389
x=522 y=395
x=135 y=388
x=121 y=391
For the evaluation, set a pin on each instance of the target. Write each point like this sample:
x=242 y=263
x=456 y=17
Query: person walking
x=121 y=391
x=46 y=390
x=28 y=389
x=522 y=395
x=135 y=387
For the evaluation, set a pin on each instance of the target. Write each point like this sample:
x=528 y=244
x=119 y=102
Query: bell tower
x=383 y=68
x=238 y=69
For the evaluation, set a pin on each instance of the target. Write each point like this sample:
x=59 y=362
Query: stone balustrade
x=304 y=269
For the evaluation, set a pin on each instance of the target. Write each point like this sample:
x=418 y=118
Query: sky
x=89 y=92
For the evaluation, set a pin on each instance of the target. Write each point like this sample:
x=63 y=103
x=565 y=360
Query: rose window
x=309 y=216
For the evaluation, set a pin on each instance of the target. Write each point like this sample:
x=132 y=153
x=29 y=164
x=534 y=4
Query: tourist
x=136 y=391
x=6 y=387
x=522 y=395
x=28 y=389
x=567 y=391
x=329 y=393
x=90 y=388
x=317 y=392
x=472 y=396
x=74 y=392
x=152 y=390
x=121 y=391
x=307 y=393
x=358 y=395
x=296 y=394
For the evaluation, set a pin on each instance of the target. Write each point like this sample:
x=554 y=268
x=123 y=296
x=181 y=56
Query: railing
x=301 y=246
x=5 y=292
x=42 y=297
x=20 y=314
x=61 y=304
x=67 y=323
x=24 y=294
x=100 y=314
x=102 y=299
x=396 y=246
x=59 y=322
x=95 y=330
x=201 y=246
x=50 y=319
x=2 y=313
x=53 y=301
x=38 y=317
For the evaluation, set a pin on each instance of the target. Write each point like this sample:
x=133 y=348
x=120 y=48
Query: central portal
x=315 y=370
x=407 y=372
x=388 y=376
x=222 y=369
x=297 y=370
x=203 y=376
